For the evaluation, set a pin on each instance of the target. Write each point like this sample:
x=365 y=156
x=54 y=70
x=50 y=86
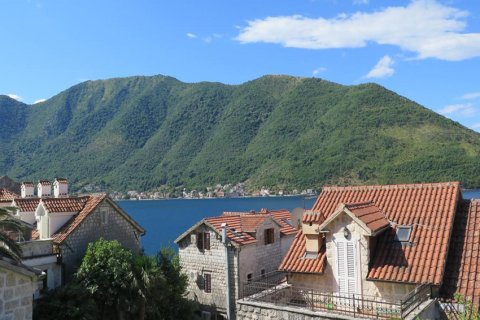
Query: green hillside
x=276 y=131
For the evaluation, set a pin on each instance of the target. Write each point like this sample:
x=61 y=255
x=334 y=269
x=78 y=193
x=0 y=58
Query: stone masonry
x=96 y=225
x=16 y=295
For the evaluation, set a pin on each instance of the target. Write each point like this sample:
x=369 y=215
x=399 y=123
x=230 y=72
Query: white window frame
x=353 y=277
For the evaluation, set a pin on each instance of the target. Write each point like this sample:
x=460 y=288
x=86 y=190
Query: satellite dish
x=297 y=215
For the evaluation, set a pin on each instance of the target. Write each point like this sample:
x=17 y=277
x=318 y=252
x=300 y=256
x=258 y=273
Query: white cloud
x=476 y=126
x=471 y=96
x=319 y=70
x=39 y=101
x=14 y=96
x=191 y=35
x=425 y=27
x=462 y=109
x=208 y=39
x=382 y=69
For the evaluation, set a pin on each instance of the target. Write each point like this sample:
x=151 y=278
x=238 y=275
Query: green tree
x=71 y=302
x=106 y=272
x=9 y=226
x=168 y=300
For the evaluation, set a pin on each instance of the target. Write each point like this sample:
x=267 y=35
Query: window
x=403 y=233
x=262 y=273
x=269 y=235
x=203 y=241
x=104 y=214
x=207 y=285
x=310 y=255
x=249 y=277
x=206 y=315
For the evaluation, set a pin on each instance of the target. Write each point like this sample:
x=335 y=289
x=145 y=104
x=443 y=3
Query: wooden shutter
x=200 y=240
x=208 y=282
x=346 y=266
x=206 y=242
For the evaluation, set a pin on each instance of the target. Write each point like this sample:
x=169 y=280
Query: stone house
x=17 y=286
x=220 y=254
x=394 y=251
x=62 y=226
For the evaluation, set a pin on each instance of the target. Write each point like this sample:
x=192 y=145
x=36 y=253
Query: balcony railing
x=273 y=288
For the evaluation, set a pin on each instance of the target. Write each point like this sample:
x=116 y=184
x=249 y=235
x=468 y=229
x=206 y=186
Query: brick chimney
x=60 y=188
x=27 y=190
x=44 y=189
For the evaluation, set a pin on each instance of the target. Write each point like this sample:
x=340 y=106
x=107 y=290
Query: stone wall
x=259 y=256
x=16 y=295
x=247 y=310
x=94 y=227
x=196 y=263
x=327 y=281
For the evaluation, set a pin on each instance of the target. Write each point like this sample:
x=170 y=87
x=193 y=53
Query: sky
x=425 y=50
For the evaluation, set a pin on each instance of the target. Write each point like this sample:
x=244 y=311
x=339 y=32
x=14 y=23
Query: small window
x=403 y=233
x=104 y=214
x=310 y=255
x=269 y=235
x=203 y=241
x=262 y=273
x=249 y=277
x=207 y=286
x=206 y=315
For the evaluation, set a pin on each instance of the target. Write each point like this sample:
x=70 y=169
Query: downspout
x=227 y=270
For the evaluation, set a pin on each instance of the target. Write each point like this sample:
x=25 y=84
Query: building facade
x=220 y=254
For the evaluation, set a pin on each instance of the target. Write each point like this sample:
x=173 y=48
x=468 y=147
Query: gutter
x=227 y=271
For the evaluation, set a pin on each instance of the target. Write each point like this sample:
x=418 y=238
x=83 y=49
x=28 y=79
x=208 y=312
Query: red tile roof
x=90 y=203
x=242 y=225
x=462 y=274
x=294 y=261
x=7 y=195
x=45 y=182
x=370 y=214
x=26 y=205
x=429 y=208
x=28 y=183
x=53 y=205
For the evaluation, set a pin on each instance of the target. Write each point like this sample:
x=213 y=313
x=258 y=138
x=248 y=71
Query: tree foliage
x=113 y=283
x=10 y=227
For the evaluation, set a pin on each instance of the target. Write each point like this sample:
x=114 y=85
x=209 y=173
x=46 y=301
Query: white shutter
x=346 y=275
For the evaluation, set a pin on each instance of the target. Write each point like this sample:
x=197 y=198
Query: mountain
x=145 y=132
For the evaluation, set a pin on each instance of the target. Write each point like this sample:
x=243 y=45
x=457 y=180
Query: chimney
x=44 y=189
x=60 y=188
x=27 y=190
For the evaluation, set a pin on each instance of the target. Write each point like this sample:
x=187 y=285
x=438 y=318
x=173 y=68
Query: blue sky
x=426 y=50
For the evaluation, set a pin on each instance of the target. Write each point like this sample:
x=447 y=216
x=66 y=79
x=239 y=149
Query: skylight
x=310 y=255
x=403 y=233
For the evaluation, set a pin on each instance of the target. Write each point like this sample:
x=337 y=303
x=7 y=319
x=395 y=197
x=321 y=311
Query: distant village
x=219 y=191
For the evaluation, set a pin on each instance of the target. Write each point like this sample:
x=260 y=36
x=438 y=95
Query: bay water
x=165 y=220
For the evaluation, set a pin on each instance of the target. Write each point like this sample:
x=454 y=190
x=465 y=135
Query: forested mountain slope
x=278 y=131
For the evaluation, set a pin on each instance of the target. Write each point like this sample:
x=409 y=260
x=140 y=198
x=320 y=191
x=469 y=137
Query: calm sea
x=165 y=220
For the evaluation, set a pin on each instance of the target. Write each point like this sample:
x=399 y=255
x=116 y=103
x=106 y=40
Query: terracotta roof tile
x=45 y=182
x=462 y=274
x=26 y=205
x=430 y=208
x=53 y=205
x=294 y=261
x=242 y=225
x=369 y=214
x=89 y=204
x=7 y=195
x=28 y=183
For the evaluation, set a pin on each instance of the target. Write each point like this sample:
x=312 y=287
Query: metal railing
x=275 y=289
